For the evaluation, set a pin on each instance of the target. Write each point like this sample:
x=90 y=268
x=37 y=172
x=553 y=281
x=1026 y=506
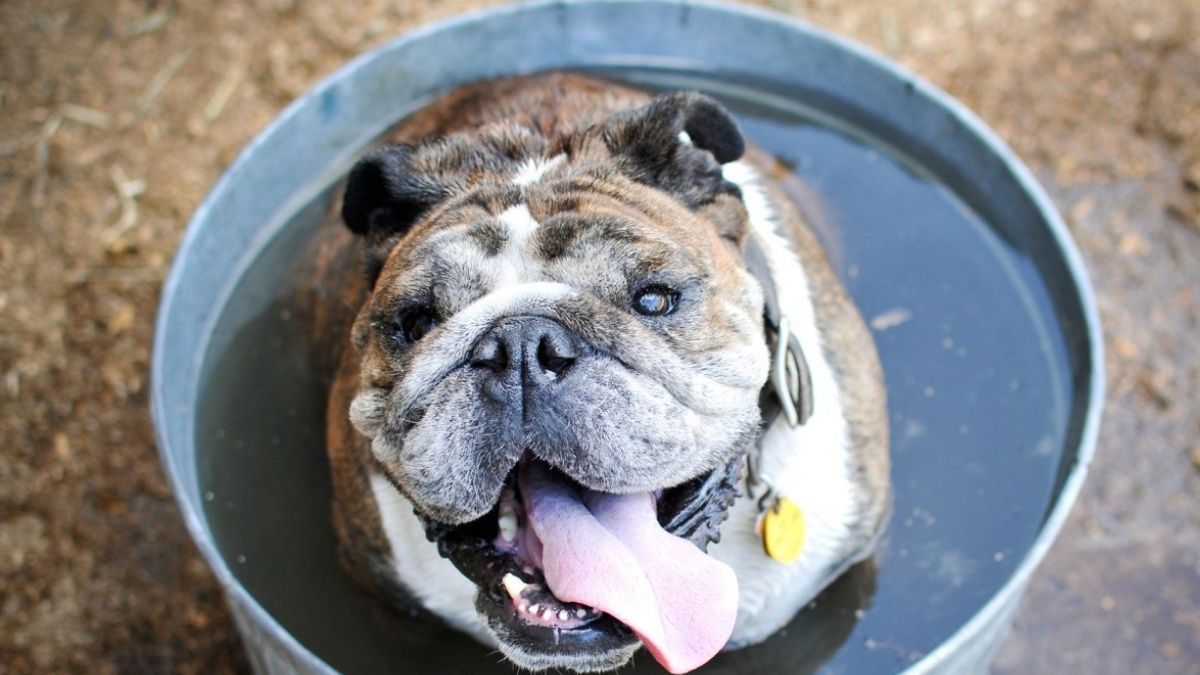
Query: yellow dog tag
x=783 y=531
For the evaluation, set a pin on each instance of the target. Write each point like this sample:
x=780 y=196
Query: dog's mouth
x=569 y=576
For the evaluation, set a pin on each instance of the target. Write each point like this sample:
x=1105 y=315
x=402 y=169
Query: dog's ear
x=677 y=143
x=385 y=196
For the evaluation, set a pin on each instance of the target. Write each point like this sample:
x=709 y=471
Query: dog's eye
x=655 y=301
x=416 y=323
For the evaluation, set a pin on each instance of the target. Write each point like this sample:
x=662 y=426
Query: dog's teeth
x=527 y=569
x=548 y=614
x=533 y=609
x=508 y=503
x=563 y=615
x=508 y=527
x=513 y=584
x=524 y=608
x=581 y=612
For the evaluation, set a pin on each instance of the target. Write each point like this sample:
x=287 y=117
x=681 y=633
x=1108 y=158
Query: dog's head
x=560 y=326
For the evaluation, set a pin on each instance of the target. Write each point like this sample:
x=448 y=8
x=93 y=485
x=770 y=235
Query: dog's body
x=568 y=189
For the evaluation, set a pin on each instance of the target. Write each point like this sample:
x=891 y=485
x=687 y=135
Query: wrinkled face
x=556 y=304
x=587 y=319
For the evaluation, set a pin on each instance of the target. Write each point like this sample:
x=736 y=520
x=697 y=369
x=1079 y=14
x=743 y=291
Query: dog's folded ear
x=677 y=143
x=385 y=196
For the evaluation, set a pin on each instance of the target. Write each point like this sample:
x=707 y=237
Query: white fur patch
x=532 y=170
x=520 y=223
x=435 y=582
x=808 y=464
x=511 y=265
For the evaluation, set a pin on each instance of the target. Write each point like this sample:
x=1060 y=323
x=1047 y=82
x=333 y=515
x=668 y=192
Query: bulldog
x=603 y=390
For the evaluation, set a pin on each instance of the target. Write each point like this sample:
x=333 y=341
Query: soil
x=117 y=116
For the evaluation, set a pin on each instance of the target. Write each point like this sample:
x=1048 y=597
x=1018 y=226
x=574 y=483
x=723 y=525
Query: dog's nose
x=534 y=350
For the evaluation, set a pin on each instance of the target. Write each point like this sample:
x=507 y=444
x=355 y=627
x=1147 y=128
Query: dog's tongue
x=609 y=552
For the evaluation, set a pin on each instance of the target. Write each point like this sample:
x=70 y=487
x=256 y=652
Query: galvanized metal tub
x=312 y=143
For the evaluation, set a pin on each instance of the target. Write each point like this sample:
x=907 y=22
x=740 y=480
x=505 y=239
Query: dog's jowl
x=604 y=391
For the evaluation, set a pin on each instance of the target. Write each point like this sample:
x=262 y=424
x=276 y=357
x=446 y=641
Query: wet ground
x=116 y=117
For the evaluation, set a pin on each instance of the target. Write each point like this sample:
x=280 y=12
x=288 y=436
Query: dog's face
x=569 y=312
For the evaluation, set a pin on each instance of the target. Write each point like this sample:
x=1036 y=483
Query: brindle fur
x=651 y=402
x=536 y=116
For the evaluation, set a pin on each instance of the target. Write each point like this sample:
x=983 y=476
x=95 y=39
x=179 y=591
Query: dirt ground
x=116 y=116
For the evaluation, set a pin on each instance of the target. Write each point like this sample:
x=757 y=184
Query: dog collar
x=789 y=389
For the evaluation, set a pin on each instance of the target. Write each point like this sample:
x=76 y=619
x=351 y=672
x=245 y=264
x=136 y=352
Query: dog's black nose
x=531 y=350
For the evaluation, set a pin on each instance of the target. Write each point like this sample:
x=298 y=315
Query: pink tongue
x=609 y=552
